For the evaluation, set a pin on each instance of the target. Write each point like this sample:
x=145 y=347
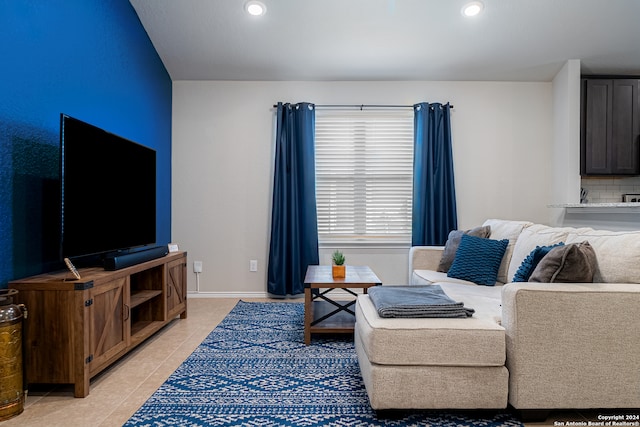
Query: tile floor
x=120 y=390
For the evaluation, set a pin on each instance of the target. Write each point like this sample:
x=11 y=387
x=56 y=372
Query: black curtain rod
x=361 y=106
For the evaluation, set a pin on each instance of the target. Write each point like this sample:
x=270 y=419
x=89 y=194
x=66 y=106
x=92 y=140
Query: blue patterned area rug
x=254 y=370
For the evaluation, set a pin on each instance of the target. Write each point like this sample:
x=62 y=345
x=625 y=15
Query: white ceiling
x=513 y=40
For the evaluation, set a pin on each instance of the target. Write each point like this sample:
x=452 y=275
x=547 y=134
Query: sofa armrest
x=424 y=258
x=572 y=345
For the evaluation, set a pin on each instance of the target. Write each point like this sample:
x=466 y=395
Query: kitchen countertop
x=596 y=205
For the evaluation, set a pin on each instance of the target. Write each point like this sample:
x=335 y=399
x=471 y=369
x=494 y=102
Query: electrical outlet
x=253 y=265
x=197 y=266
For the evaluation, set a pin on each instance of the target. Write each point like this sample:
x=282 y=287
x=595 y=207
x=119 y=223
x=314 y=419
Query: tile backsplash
x=610 y=190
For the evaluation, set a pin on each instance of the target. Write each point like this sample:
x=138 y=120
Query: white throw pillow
x=535 y=235
x=618 y=254
x=510 y=230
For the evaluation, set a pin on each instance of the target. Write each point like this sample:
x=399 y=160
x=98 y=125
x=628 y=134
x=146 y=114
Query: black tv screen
x=108 y=191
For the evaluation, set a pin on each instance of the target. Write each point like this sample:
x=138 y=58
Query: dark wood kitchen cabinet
x=610 y=127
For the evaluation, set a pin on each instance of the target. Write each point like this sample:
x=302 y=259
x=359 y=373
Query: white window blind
x=364 y=174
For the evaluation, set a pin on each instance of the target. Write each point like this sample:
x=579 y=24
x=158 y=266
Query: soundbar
x=126 y=260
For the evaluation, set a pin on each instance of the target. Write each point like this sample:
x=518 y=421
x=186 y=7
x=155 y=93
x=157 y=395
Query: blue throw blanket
x=416 y=301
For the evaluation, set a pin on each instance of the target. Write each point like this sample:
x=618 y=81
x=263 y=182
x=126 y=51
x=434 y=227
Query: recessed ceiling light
x=255 y=8
x=473 y=8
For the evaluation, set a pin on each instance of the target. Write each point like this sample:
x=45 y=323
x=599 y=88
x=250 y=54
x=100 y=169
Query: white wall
x=566 y=135
x=223 y=153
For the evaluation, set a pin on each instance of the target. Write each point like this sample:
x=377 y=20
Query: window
x=364 y=175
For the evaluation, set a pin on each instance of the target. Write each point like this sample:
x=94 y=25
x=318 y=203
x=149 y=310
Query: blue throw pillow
x=478 y=260
x=531 y=262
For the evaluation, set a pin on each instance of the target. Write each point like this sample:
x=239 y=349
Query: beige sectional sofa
x=535 y=346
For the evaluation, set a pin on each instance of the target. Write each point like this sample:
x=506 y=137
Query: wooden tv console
x=77 y=328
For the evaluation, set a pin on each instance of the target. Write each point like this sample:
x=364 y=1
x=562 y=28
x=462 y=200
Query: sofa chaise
x=540 y=344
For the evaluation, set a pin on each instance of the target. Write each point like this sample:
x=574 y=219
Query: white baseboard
x=194 y=294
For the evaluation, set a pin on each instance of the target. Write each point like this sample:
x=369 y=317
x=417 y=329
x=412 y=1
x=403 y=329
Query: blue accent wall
x=92 y=60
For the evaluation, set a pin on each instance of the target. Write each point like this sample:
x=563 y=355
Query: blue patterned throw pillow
x=478 y=260
x=531 y=262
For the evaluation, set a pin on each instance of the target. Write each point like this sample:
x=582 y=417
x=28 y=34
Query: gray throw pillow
x=573 y=263
x=453 y=241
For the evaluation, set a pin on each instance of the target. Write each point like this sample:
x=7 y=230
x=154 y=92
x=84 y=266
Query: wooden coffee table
x=325 y=315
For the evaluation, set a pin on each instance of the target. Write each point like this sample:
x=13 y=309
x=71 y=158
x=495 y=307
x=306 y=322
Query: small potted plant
x=338 y=268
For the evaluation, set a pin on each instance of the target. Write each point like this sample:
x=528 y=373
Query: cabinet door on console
x=176 y=288
x=108 y=318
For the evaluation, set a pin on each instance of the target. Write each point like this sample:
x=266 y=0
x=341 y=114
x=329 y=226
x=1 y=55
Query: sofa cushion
x=428 y=277
x=485 y=300
x=478 y=260
x=531 y=262
x=510 y=230
x=453 y=241
x=530 y=238
x=572 y=263
x=474 y=341
x=618 y=254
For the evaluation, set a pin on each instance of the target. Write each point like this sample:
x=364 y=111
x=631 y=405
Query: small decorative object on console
x=338 y=269
x=72 y=268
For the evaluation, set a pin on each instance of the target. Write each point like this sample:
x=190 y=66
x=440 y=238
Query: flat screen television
x=108 y=198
